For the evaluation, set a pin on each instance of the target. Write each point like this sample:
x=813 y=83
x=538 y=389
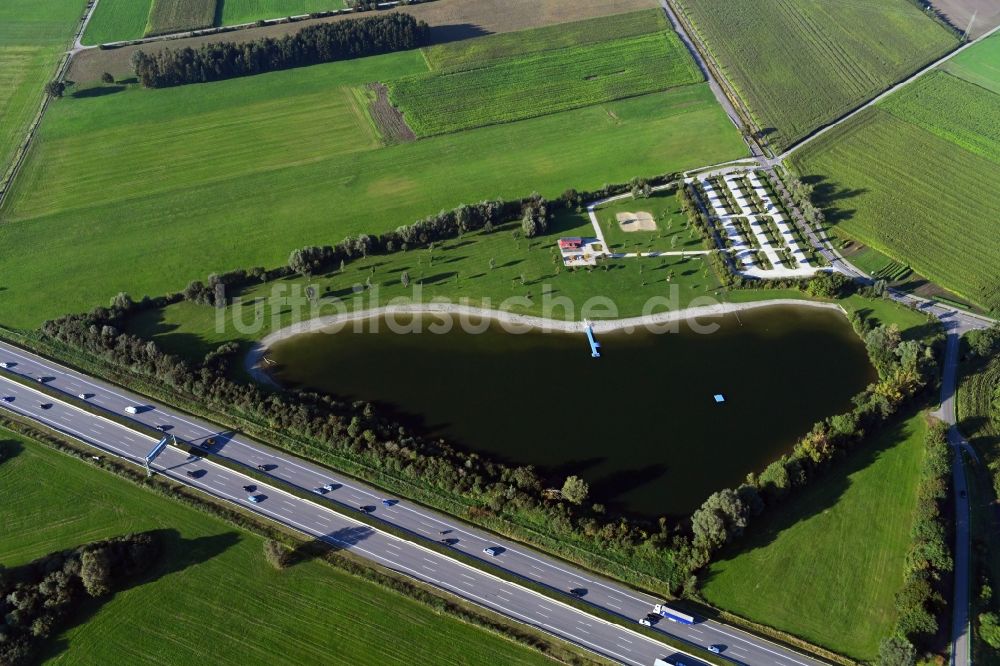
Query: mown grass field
x=798 y=64
x=118 y=20
x=498 y=91
x=169 y=16
x=826 y=565
x=33 y=36
x=918 y=178
x=212 y=596
x=233 y=12
x=145 y=190
x=471 y=53
x=979 y=65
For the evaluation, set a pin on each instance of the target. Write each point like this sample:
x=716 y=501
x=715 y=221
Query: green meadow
x=489 y=270
x=33 y=37
x=826 y=566
x=472 y=53
x=145 y=190
x=118 y=20
x=979 y=65
x=212 y=596
x=233 y=12
x=541 y=83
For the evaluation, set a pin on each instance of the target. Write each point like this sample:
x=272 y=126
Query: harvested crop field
x=450 y=20
x=984 y=15
x=799 y=64
x=169 y=16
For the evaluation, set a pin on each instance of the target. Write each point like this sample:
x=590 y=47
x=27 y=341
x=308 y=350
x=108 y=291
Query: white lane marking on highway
x=424 y=566
x=615 y=606
x=624 y=647
x=443 y=584
x=760 y=647
x=596 y=648
x=626 y=640
x=464 y=576
x=292 y=463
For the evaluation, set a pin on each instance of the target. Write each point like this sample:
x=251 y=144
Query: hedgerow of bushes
x=36 y=599
x=326 y=42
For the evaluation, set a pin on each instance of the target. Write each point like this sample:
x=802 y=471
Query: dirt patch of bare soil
x=959 y=13
x=641 y=221
x=450 y=20
x=388 y=119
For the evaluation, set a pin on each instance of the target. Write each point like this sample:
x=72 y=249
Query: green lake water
x=639 y=424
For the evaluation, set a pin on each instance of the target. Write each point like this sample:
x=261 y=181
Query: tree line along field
x=33 y=36
x=826 y=566
x=918 y=178
x=119 y=189
x=212 y=585
x=799 y=64
x=121 y=20
x=542 y=83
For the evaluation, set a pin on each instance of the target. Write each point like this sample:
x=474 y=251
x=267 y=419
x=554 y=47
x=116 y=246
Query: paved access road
x=316 y=519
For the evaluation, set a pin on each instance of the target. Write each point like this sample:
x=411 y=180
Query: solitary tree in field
x=575 y=490
x=107 y=78
x=405 y=279
x=493 y=263
x=55 y=88
x=343 y=265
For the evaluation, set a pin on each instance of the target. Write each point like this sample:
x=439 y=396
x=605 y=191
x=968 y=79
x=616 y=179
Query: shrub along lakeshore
x=357 y=438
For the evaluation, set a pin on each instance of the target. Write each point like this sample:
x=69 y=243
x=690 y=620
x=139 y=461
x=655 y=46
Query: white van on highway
x=132 y=409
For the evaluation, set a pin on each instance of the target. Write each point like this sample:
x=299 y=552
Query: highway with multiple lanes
x=318 y=519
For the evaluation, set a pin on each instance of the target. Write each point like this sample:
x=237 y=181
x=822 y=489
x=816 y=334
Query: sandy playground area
x=641 y=221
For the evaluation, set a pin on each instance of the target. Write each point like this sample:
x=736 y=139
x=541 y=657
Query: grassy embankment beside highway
x=826 y=566
x=213 y=586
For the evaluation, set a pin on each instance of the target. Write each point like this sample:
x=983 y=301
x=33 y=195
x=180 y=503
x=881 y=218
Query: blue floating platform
x=719 y=398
